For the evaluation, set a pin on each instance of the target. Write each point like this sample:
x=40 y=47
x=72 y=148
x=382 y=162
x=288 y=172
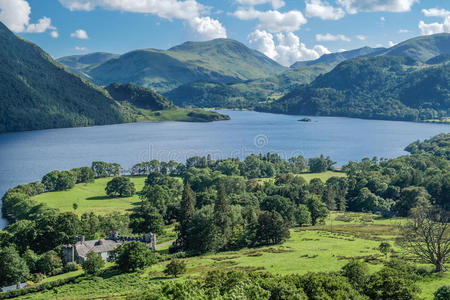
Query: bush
x=93 y=264
x=70 y=267
x=133 y=256
x=357 y=274
x=442 y=293
x=175 y=268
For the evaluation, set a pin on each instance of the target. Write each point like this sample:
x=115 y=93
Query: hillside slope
x=219 y=60
x=77 y=62
x=38 y=93
x=383 y=87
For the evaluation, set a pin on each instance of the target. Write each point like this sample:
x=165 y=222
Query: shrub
x=442 y=293
x=93 y=264
x=70 y=267
x=175 y=268
x=133 y=256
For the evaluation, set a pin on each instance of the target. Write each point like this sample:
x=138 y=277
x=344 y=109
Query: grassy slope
x=92 y=196
x=359 y=237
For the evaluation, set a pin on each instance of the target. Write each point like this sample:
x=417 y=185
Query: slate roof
x=97 y=246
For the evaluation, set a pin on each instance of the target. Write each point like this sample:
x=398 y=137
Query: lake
x=27 y=156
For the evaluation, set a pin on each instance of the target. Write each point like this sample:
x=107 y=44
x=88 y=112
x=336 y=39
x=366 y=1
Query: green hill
x=38 y=93
x=422 y=48
x=139 y=96
x=219 y=60
x=383 y=87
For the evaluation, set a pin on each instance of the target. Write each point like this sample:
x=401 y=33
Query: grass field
x=92 y=197
x=309 y=249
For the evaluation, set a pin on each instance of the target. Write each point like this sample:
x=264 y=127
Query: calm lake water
x=27 y=156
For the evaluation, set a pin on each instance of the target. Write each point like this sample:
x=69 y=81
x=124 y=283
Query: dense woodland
x=219 y=205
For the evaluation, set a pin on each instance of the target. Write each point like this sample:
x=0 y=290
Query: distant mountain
x=77 y=62
x=382 y=87
x=219 y=60
x=337 y=57
x=244 y=94
x=422 y=48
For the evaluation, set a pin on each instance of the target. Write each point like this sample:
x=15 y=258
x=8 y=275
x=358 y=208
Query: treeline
x=390 y=88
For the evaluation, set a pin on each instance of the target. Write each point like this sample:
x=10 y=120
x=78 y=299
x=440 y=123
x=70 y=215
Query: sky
x=285 y=30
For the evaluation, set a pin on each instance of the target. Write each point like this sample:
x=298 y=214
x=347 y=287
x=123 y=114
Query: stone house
x=78 y=252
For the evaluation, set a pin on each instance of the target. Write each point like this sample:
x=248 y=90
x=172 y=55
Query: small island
x=305 y=120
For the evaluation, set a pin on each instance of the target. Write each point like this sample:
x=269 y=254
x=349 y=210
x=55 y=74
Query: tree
x=221 y=212
x=50 y=180
x=187 y=209
x=411 y=197
x=320 y=164
x=281 y=205
x=66 y=180
x=84 y=174
x=272 y=229
x=158 y=196
x=175 y=268
x=385 y=248
x=133 y=256
x=93 y=263
x=147 y=220
x=13 y=268
x=49 y=263
x=442 y=293
x=202 y=233
x=302 y=215
x=120 y=186
x=357 y=274
x=427 y=235
x=317 y=208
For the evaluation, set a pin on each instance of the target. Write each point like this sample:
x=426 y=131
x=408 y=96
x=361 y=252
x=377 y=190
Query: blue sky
x=285 y=30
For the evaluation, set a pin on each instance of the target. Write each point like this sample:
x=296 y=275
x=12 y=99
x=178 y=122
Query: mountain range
x=39 y=93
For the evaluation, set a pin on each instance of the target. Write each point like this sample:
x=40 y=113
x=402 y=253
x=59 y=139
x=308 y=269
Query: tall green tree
x=13 y=268
x=93 y=263
x=221 y=213
x=187 y=209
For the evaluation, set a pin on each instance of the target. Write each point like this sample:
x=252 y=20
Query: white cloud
x=391 y=44
x=80 y=48
x=187 y=10
x=273 y=20
x=54 y=34
x=436 y=12
x=79 y=34
x=382 y=19
x=433 y=28
x=208 y=28
x=403 y=31
x=356 y=6
x=330 y=37
x=361 y=37
x=288 y=48
x=15 y=14
x=276 y=4
x=323 y=10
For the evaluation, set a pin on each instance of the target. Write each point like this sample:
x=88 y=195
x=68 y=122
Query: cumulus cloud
x=208 y=28
x=276 y=4
x=15 y=14
x=403 y=31
x=79 y=34
x=328 y=37
x=436 y=27
x=188 y=10
x=80 y=48
x=356 y=6
x=287 y=49
x=54 y=34
x=361 y=37
x=436 y=12
x=391 y=44
x=273 y=20
x=323 y=10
